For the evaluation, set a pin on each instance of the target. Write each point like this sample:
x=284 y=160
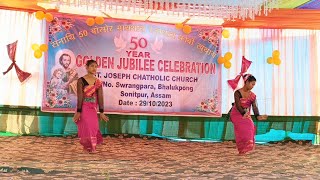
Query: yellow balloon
x=187 y=29
x=221 y=60
x=227 y=64
x=275 y=54
x=228 y=56
x=37 y=54
x=40 y=15
x=226 y=33
x=277 y=61
x=90 y=21
x=44 y=47
x=179 y=26
x=99 y=20
x=270 y=60
x=35 y=47
x=49 y=17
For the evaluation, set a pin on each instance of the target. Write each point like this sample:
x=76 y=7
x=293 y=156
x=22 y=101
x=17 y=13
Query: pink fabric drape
x=12 y=55
x=244 y=68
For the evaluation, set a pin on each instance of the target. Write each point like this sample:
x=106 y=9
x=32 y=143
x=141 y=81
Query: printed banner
x=146 y=68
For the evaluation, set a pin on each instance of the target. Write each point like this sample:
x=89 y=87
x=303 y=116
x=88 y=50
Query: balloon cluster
x=40 y=15
x=97 y=20
x=225 y=60
x=185 y=28
x=275 y=59
x=39 y=49
x=225 y=33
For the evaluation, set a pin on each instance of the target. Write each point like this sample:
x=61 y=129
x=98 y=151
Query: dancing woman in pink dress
x=89 y=94
x=244 y=128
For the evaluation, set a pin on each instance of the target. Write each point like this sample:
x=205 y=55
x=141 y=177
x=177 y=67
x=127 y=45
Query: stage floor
x=30 y=157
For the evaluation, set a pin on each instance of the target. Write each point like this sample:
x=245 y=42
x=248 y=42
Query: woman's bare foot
x=85 y=150
x=92 y=152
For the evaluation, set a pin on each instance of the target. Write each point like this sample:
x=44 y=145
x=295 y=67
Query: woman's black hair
x=250 y=78
x=91 y=61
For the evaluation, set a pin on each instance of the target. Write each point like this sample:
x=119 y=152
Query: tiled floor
x=124 y=157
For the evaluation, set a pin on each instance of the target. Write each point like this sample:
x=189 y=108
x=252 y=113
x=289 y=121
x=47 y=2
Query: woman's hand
x=76 y=117
x=246 y=115
x=262 y=117
x=104 y=117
